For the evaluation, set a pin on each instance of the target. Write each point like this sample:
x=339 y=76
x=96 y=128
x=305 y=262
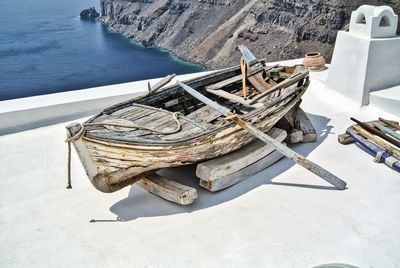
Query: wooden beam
x=244 y=174
x=345 y=139
x=296 y=157
x=281 y=85
x=168 y=189
x=232 y=80
x=239 y=159
x=233 y=98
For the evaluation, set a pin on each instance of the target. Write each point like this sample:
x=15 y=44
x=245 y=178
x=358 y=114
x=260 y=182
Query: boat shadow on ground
x=141 y=203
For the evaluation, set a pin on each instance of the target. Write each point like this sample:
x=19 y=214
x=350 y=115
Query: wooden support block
x=237 y=160
x=168 y=189
x=345 y=139
x=243 y=174
x=304 y=124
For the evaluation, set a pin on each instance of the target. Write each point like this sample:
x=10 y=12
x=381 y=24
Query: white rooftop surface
x=282 y=217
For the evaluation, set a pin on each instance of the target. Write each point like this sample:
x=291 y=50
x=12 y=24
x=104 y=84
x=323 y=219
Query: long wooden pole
x=299 y=159
x=377 y=141
x=390 y=123
x=388 y=131
x=161 y=83
x=379 y=154
x=244 y=76
x=377 y=132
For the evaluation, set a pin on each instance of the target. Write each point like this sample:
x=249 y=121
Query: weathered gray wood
x=288 y=92
x=232 y=80
x=345 y=139
x=237 y=160
x=299 y=159
x=204 y=115
x=258 y=82
x=168 y=189
x=233 y=98
x=303 y=123
x=248 y=56
x=283 y=84
x=244 y=174
x=161 y=83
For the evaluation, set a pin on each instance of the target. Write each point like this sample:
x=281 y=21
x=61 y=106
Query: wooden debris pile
x=379 y=138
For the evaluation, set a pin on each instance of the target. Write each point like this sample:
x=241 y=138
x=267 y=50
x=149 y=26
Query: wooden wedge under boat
x=170 y=128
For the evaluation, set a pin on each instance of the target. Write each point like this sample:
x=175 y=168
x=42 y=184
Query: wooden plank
x=258 y=82
x=345 y=139
x=204 y=114
x=281 y=85
x=244 y=174
x=234 y=98
x=374 y=131
x=168 y=189
x=232 y=80
x=248 y=55
x=296 y=157
x=379 y=153
x=379 y=142
x=161 y=83
x=237 y=160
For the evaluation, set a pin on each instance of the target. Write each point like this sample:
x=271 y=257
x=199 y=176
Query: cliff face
x=208 y=31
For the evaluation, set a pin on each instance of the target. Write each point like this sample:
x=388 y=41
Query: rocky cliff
x=208 y=31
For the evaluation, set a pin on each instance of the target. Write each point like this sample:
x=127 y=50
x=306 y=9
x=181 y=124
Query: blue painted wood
x=388 y=131
x=373 y=149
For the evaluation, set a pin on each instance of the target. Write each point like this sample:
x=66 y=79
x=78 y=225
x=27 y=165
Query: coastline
x=108 y=23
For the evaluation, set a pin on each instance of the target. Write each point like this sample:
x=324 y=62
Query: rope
x=125 y=125
x=69 y=140
x=378 y=157
x=128 y=124
x=69 y=186
x=76 y=136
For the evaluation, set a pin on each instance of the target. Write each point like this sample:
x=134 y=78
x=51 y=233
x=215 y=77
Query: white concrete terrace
x=282 y=217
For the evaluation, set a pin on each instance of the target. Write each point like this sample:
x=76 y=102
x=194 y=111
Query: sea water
x=45 y=48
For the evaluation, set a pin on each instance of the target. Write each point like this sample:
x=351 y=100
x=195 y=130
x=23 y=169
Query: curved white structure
x=365 y=58
x=374 y=22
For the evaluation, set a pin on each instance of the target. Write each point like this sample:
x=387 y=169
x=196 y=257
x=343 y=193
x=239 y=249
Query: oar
x=299 y=159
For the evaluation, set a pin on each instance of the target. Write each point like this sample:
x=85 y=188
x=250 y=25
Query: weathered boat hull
x=111 y=166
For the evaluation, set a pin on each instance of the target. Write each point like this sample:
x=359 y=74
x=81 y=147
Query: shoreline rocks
x=89 y=14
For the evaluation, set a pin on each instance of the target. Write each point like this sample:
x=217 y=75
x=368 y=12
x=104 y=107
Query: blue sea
x=45 y=48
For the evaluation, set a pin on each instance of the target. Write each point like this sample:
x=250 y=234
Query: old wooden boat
x=170 y=128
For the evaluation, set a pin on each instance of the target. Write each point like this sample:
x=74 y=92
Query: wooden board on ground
x=241 y=175
x=168 y=189
x=237 y=160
